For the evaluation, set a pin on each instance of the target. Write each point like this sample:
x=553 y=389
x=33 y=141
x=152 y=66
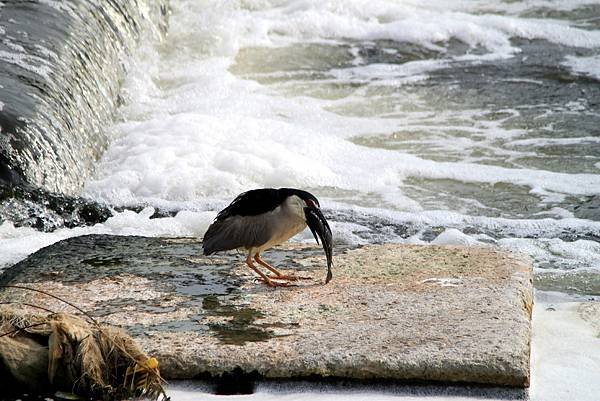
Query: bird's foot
x=290 y=277
x=273 y=283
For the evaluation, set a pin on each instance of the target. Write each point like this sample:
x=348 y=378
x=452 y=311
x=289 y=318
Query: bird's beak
x=320 y=229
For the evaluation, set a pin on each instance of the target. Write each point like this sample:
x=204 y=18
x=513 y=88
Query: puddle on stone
x=179 y=326
x=209 y=294
x=241 y=327
x=103 y=261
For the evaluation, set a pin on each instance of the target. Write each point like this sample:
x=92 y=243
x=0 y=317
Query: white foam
x=452 y=236
x=537 y=180
x=584 y=65
x=17 y=243
x=502 y=7
x=311 y=391
x=519 y=228
x=565 y=354
x=196 y=132
x=562 y=255
x=403 y=22
x=354 y=234
x=541 y=142
x=189 y=155
x=193 y=155
x=537 y=238
x=391 y=75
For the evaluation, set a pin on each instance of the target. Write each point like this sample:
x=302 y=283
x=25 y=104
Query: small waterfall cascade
x=61 y=66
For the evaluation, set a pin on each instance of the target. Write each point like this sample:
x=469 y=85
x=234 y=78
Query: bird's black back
x=258 y=201
x=239 y=225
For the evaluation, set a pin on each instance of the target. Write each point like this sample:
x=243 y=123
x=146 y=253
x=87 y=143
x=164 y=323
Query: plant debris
x=61 y=352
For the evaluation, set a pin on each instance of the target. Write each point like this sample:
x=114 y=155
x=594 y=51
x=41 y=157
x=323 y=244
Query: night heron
x=262 y=218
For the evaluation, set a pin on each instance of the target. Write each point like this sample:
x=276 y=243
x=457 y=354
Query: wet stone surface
x=391 y=312
x=148 y=276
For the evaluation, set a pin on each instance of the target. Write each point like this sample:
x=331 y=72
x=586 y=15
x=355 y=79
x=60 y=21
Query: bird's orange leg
x=278 y=274
x=265 y=278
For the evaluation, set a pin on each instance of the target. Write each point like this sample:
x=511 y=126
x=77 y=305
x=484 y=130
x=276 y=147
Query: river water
x=447 y=122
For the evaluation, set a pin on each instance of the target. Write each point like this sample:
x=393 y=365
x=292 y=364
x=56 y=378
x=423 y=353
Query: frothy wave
x=584 y=65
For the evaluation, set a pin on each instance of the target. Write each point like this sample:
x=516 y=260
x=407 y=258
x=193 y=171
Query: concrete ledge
x=392 y=312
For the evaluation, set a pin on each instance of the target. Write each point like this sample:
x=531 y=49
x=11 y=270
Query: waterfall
x=61 y=65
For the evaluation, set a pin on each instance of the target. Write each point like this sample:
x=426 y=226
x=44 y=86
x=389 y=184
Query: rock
x=391 y=312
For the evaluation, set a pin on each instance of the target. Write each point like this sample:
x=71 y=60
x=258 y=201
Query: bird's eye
x=311 y=203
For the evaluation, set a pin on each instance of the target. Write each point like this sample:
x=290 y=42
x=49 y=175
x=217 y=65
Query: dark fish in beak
x=320 y=229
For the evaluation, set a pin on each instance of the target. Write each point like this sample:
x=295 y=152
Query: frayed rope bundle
x=63 y=352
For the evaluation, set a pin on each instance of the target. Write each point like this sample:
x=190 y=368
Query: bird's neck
x=295 y=206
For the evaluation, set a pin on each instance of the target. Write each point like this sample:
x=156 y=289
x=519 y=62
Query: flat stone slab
x=391 y=312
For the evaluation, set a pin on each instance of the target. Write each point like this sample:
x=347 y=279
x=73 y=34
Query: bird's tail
x=210 y=240
x=220 y=236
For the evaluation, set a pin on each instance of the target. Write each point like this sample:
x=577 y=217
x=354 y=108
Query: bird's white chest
x=286 y=221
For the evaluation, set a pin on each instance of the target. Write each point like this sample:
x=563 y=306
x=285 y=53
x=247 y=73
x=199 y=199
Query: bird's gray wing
x=236 y=232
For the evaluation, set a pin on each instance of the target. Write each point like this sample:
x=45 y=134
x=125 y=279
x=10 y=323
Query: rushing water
x=61 y=63
x=477 y=120
x=451 y=122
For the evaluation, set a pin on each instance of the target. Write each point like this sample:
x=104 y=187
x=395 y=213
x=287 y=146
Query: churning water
x=478 y=120
x=450 y=122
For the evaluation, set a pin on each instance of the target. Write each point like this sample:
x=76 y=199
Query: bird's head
x=318 y=225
